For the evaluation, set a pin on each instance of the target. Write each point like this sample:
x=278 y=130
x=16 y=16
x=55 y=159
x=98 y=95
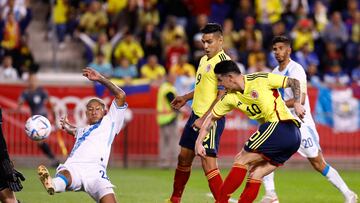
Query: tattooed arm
x=294 y=84
x=115 y=90
x=204 y=130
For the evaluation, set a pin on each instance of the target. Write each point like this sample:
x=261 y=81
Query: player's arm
x=21 y=101
x=119 y=94
x=204 y=130
x=290 y=103
x=294 y=84
x=49 y=104
x=300 y=75
x=67 y=126
x=198 y=122
x=180 y=101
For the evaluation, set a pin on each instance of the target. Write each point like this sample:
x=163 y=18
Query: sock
x=269 y=184
x=215 y=182
x=251 y=191
x=46 y=150
x=60 y=182
x=232 y=182
x=182 y=174
x=333 y=176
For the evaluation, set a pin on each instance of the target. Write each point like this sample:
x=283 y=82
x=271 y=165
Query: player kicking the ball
x=85 y=168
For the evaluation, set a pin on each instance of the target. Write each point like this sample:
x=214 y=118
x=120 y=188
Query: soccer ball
x=37 y=127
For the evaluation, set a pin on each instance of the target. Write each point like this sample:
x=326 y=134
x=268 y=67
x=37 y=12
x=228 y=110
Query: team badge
x=208 y=67
x=254 y=94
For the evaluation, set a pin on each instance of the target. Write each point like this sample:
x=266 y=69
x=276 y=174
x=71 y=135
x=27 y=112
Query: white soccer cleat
x=352 y=198
x=269 y=199
x=46 y=179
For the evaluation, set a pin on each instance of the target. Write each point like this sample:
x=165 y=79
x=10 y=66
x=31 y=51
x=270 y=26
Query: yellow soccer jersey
x=260 y=101
x=206 y=84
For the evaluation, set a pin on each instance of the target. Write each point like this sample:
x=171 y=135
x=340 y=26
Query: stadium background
x=53 y=39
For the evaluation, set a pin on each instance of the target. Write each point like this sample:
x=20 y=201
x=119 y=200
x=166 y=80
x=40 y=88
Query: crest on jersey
x=208 y=67
x=254 y=94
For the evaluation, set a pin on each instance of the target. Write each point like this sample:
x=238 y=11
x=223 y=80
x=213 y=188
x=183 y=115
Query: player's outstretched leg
x=333 y=177
x=270 y=194
x=46 y=179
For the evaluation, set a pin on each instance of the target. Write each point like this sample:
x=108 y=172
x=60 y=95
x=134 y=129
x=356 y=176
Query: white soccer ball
x=37 y=127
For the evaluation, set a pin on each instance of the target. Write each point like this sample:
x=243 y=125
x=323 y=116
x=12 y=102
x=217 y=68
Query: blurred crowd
x=150 y=38
x=15 y=55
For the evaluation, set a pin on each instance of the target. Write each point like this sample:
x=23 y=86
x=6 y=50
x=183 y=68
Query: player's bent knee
x=186 y=157
x=107 y=195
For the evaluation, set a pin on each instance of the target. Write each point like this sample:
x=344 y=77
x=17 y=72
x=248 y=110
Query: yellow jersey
x=260 y=101
x=206 y=85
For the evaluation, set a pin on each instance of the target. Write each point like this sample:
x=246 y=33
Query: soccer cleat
x=352 y=198
x=269 y=199
x=46 y=179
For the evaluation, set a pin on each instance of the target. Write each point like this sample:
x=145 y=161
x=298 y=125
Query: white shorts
x=90 y=178
x=309 y=146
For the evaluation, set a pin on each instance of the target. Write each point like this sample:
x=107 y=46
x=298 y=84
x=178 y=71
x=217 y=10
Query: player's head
x=212 y=39
x=282 y=48
x=226 y=73
x=95 y=110
x=32 y=81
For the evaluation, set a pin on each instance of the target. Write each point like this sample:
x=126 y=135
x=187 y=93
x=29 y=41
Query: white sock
x=333 y=176
x=59 y=184
x=269 y=184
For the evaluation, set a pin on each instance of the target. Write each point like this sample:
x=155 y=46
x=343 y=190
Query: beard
x=280 y=59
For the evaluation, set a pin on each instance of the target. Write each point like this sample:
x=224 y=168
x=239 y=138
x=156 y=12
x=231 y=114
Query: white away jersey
x=93 y=142
x=295 y=70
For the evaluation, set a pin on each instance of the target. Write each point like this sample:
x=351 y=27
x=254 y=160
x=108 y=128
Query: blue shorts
x=211 y=141
x=277 y=141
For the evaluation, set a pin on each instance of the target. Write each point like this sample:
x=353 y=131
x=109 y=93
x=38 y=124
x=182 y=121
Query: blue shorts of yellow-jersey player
x=211 y=141
x=276 y=141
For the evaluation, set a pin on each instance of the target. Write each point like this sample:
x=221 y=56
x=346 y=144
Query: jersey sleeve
x=223 y=106
x=300 y=75
x=276 y=81
x=44 y=95
x=117 y=114
x=22 y=97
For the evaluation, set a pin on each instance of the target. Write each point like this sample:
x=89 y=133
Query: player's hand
x=299 y=110
x=200 y=150
x=178 y=102
x=64 y=122
x=198 y=123
x=92 y=74
x=13 y=177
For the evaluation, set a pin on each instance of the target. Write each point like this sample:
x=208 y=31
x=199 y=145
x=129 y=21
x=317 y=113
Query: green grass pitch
x=155 y=185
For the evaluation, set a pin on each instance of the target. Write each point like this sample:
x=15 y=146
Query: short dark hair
x=212 y=28
x=225 y=67
x=282 y=39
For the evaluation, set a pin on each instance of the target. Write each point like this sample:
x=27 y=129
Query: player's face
x=281 y=51
x=212 y=43
x=94 y=112
x=226 y=81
